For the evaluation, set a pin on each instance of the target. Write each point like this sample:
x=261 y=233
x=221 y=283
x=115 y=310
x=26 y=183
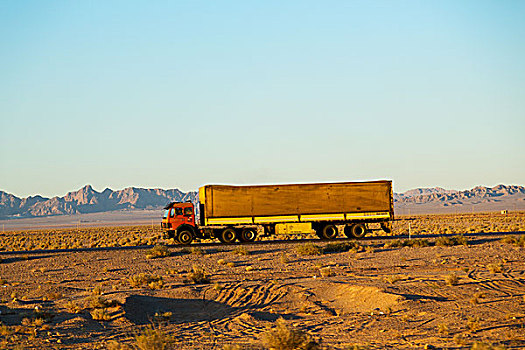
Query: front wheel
x=185 y=237
x=227 y=235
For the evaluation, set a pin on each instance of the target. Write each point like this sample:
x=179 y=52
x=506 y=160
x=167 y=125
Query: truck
x=241 y=213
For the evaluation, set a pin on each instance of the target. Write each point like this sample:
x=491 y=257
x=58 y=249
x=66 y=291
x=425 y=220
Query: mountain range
x=87 y=200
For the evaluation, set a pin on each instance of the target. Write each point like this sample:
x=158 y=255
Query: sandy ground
x=377 y=297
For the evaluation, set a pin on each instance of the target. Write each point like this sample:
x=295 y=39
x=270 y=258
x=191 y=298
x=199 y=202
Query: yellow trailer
x=295 y=208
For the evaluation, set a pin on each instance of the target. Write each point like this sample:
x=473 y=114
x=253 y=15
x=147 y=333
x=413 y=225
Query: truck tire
x=328 y=232
x=358 y=230
x=227 y=235
x=185 y=236
x=248 y=235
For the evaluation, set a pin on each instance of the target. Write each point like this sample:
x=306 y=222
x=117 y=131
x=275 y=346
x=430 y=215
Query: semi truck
x=241 y=213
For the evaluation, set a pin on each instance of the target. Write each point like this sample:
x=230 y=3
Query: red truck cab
x=178 y=221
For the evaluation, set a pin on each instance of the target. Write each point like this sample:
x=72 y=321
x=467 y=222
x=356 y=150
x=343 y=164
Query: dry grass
x=452 y=279
x=485 y=346
x=495 y=267
x=197 y=276
x=451 y=241
x=283 y=337
x=395 y=278
x=473 y=324
x=158 y=251
x=194 y=251
x=152 y=338
x=308 y=249
x=407 y=243
x=83 y=238
x=342 y=247
x=515 y=240
x=100 y=314
x=145 y=280
x=326 y=271
x=240 y=250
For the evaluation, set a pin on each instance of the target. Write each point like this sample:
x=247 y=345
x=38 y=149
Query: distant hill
x=87 y=200
x=480 y=198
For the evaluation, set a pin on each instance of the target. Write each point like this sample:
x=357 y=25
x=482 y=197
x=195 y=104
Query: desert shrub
x=407 y=243
x=158 y=251
x=52 y=295
x=452 y=279
x=475 y=298
x=396 y=243
x=197 y=276
x=153 y=338
x=144 y=279
x=282 y=337
x=394 y=278
x=115 y=345
x=100 y=314
x=96 y=302
x=162 y=316
x=495 y=267
x=473 y=324
x=485 y=346
x=308 y=249
x=515 y=240
x=240 y=250
x=459 y=339
x=442 y=329
x=5 y=330
x=451 y=241
x=326 y=271
x=341 y=247
x=73 y=307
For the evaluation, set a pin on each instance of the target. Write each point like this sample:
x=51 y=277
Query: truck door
x=176 y=217
x=189 y=216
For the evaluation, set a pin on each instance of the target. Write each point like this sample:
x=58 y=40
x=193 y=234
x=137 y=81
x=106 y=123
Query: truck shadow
x=143 y=309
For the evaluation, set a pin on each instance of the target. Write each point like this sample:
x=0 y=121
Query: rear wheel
x=328 y=232
x=248 y=235
x=185 y=236
x=227 y=235
x=355 y=231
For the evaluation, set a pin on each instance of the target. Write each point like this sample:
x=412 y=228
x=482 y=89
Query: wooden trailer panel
x=221 y=201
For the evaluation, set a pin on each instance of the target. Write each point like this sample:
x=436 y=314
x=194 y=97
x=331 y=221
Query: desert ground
x=458 y=282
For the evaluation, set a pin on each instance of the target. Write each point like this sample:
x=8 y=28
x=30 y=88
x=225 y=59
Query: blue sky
x=185 y=93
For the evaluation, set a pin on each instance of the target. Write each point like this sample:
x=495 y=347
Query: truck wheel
x=358 y=230
x=248 y=235
x=185 y=237
x=227 y=235
x=329 y=232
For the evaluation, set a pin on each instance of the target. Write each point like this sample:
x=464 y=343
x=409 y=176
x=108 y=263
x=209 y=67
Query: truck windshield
x=165 y=215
